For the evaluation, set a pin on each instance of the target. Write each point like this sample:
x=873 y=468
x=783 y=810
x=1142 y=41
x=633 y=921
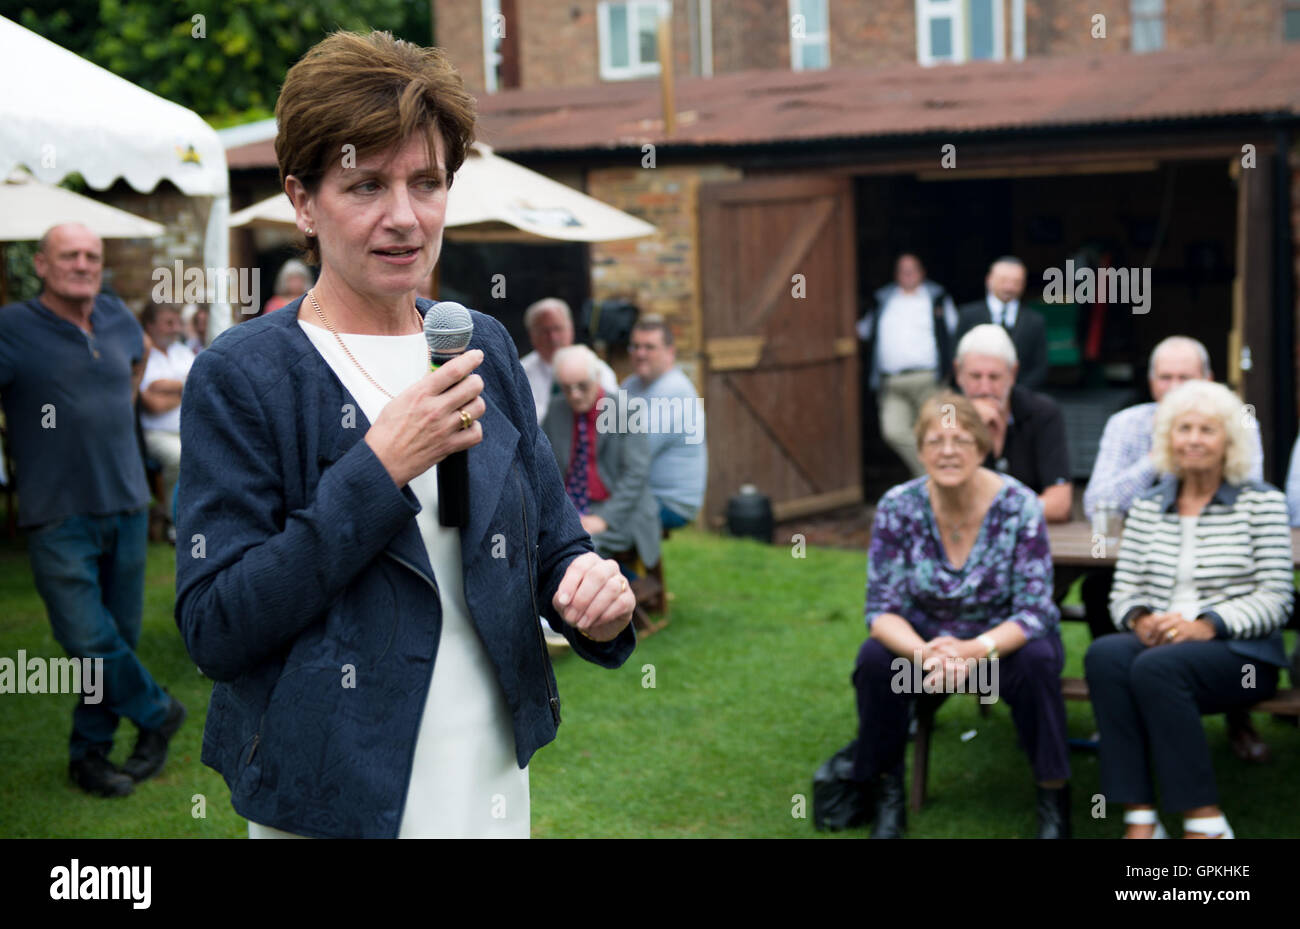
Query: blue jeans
x=669 y=519
x=89 y=570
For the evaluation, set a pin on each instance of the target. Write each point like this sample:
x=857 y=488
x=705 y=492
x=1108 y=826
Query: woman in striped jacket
x=1203 y=587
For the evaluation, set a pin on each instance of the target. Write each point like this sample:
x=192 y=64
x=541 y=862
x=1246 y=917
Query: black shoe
x=151 y=746
x=1054 y=812
x=891 y=807
x=95 y=774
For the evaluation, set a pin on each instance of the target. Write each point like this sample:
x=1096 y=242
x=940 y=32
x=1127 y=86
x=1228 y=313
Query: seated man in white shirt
x=550 y=327
x=165 y=371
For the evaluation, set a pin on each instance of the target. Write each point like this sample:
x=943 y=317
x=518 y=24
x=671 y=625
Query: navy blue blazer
x=297 y=555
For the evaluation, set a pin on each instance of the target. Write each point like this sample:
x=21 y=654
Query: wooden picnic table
x=1073 y=546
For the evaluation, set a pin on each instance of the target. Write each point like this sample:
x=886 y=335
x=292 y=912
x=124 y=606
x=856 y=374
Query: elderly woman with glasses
x=959 y=572
x=1203 y=587
x=379 y=664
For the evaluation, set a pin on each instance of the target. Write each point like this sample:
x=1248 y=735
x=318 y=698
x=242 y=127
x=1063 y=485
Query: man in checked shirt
x=1123 y=470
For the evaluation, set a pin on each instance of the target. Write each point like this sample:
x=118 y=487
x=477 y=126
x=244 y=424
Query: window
x=1148 y=25
x=1291 y=22
x=810 y=36
x=629 y=39
x=967 y=30
x=492 y=28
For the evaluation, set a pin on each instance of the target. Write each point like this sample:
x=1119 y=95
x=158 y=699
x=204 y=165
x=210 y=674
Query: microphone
x=448 y=329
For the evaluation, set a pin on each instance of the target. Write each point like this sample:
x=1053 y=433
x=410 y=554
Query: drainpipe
x=1284 y=362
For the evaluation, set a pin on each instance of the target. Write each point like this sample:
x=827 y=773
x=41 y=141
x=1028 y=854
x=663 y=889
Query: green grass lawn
x=751 y=693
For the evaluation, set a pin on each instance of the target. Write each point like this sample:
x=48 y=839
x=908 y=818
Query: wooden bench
x=1286 y=702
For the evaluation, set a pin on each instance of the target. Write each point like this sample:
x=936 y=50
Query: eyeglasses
x=962 y=443
x=579 y=388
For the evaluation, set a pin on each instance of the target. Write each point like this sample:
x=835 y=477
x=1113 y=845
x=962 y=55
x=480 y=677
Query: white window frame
x=810 y=38
x=491 y=46
x=635 y=68
x=957 y=11
x=1159 y=17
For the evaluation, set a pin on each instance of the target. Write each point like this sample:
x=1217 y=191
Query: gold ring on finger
x=465 y=420
x=624 y=586
x=1171 y=634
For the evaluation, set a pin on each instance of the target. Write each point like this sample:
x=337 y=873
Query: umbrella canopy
x=28 y=208
x=492 y=198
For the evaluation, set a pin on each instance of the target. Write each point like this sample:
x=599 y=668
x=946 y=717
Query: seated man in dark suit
x=1028 y=428
x=604 y=458
x=1004 y=286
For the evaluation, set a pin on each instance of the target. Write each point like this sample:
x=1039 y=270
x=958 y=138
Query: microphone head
x=448 y=328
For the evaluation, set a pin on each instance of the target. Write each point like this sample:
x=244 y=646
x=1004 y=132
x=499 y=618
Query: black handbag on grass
x=839 y=802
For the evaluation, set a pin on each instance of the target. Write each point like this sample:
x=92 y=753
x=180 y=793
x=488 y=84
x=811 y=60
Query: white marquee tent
x=61 y=114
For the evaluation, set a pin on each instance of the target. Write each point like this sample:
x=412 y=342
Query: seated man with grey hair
x=1124 y=470
x=550 y=328
x=606 y=471
x=1028 y=428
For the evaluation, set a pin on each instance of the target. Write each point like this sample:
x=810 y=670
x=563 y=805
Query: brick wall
x=459 y=31
x=658 y=272
x=559 y=44
x=879 y=33
x=132 y=261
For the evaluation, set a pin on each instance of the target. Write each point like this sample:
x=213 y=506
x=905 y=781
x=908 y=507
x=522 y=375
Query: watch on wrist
x=992 y=646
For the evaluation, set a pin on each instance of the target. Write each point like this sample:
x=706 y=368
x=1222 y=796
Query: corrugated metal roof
x=772 y=106
x=767 y=106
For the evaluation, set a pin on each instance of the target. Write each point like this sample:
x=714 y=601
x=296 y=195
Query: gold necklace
x=337 y=338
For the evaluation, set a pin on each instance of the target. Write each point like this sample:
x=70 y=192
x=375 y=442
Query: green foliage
x=20 y=273
x=225 y=61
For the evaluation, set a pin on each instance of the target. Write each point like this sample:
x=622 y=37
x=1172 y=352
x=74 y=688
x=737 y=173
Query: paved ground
x=849 y=527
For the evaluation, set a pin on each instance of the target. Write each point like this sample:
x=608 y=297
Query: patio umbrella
x=495 y=199
x=28 y=208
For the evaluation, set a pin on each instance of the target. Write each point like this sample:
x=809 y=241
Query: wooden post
x=666 y=67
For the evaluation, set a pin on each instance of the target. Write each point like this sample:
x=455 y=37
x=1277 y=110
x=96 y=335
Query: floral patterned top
x=1007 y=576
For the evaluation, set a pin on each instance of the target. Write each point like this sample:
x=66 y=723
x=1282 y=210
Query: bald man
x=70 y=362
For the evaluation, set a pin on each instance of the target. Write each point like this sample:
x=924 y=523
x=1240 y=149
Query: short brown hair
x=966 y=416
x=372 y=92
x=653 y=322
x=149 y=315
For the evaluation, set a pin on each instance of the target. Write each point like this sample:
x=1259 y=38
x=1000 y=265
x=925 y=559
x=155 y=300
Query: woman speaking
x=377 y=674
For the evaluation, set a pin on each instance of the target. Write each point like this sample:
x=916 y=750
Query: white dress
x=465 y=781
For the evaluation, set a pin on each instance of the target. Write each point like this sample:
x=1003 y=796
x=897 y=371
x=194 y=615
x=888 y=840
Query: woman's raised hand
x=595 y=597
x=422 y=425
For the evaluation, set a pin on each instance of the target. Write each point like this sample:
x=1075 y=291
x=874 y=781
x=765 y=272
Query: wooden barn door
x=777 y=285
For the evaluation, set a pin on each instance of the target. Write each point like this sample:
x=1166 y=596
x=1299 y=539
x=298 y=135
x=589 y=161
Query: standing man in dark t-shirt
x=70 y=362
x=1028 y=428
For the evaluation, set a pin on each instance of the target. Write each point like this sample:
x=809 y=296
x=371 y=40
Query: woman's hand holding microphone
x=423 y=424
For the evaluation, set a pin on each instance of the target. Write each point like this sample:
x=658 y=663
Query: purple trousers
x=1029 y=679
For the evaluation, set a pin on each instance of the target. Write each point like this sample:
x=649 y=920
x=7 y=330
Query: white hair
x=1213 y=400
x=544 y=305
x=988 y=339
x=1179 y=341
x=289 y=269
x=577 y=352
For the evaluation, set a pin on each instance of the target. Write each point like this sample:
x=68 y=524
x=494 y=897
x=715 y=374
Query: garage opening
x=1176 y=218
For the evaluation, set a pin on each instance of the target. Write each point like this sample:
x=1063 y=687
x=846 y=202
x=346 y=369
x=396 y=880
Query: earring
x=310 y=231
